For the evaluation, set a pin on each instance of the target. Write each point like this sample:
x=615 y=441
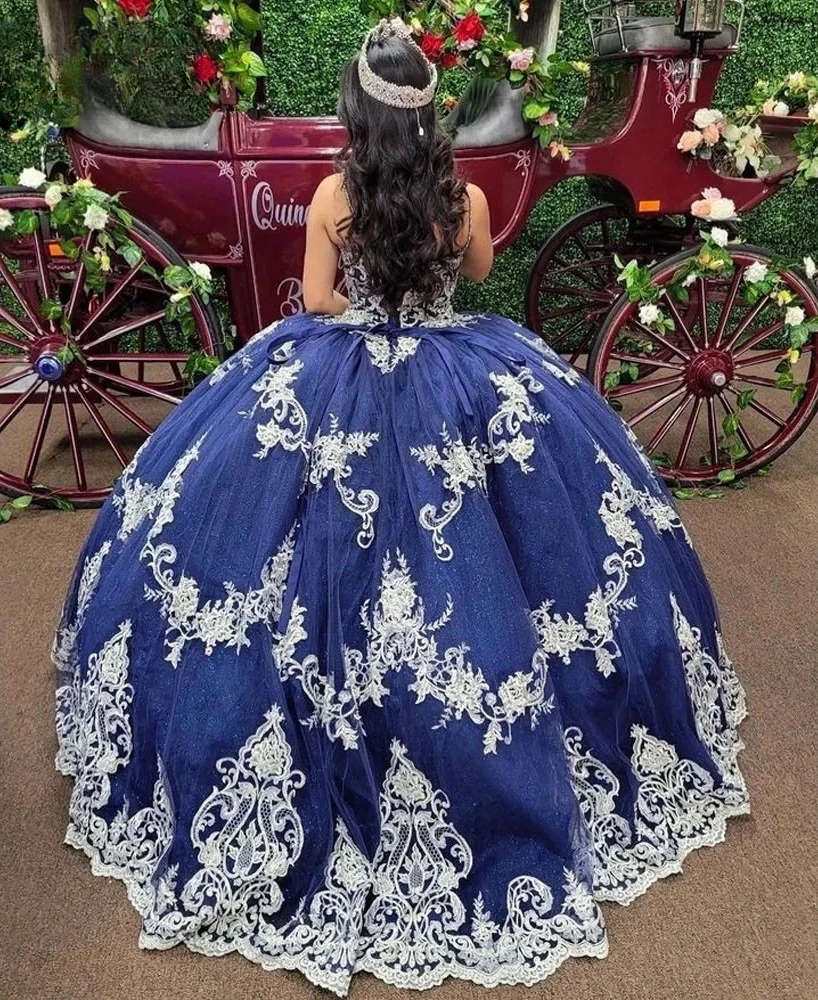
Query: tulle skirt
x=391 y=653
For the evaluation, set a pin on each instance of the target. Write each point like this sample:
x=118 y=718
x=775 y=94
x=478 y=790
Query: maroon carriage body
x=244 y=206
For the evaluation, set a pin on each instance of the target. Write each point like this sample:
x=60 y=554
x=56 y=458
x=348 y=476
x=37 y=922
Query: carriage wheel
x=75 y=406
x=573 y=282
x=721 y=361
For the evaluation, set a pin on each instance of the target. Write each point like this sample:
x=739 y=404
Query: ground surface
x=740 y=923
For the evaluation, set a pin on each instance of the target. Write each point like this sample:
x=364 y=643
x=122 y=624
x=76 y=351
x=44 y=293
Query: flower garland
x=737 y=145
x=796 y=95
x=75 y=211
x=473 y=35
x=226 y=60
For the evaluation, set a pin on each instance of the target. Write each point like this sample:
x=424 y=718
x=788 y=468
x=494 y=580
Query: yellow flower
x=19 y=134
x=793 y=355
x=782 y=297
x=581 y=66
x=83 y=184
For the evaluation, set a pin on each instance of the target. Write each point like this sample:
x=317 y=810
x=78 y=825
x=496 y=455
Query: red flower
x=431 y=45
x=449 y=59
x=135 y=8
x=205 y=68
x=469 y=31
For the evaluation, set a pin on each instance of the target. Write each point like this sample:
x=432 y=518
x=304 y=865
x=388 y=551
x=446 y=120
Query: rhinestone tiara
x=393 y=94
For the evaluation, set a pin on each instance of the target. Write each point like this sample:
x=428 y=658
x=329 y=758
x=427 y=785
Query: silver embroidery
x=287 y=427
x=464 y=468
x=505 y=427
x=386 y=355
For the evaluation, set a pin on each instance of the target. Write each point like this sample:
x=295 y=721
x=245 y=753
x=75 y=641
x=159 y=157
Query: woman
x=389 y=651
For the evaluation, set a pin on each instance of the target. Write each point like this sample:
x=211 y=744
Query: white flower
x=794 y=316
x=53 y=195
x=31 y=177
x=777 y=109
x=797 y=81
x=219 y=27
x=6 y=219
x=95 y=217
x=719 y=236
x=648 y=314
x=689 y=280
x=722 y=208
x=809 y=267
x=812 y=113
x=707 y=116
x=200 y=269
x=757 y=271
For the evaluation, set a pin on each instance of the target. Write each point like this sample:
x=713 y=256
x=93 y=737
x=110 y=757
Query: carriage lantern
x=698 y=20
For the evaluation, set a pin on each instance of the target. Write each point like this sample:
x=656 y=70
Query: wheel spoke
x=648 y=360
x=648 y=410
x=702 y=286
x=652 y=334
x=12 y=377
x=764 y=357
x=671 y=420
x=593 y=294
x=689 y=431
x=42 y=266
x=16 y=291
x=129 y=327
x=681 y=325
x=5 y=338
x=73 y=438
x=763 y=410
x=742 y=432
x=565 y=311
x=79 y=280
x=118 y=290
x=750 y=317
x=713 y=432
x=759 y=337
x=120 y=407
x=643 y=386
x=141 y=388
x=760 y=380
x=102 y=426
x=727 y=308
x=564 y=335
x=19 y=404
x=39 y=436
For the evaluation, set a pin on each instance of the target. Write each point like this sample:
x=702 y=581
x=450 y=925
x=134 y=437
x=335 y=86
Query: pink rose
x=521 y=59
x=701 y=209
x=711 y=134
x=219 y=27
x=690 y=141
x=549 y=118
x=711 y=194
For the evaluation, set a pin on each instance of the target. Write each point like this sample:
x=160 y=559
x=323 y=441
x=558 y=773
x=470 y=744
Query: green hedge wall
x=306 y=42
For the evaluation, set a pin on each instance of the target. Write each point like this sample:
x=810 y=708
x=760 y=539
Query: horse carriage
x=233 y=193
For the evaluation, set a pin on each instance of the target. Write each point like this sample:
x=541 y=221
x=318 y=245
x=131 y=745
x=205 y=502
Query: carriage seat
x=655 y=33
x=102 y=124
x=500 y=123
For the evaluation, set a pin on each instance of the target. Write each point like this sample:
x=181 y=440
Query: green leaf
x=612 y=380
x=253 y=64
x=730 y=424
x=726 y=476
x=711 y=494
x=62 y=504
x=5 y=515
x=20 y=503
x=738 y=451
x=797 y=393
x=684 y=494
x=248 y=18
x=50 y=309
x=26 y=222
x=745 y=397
x=176 y=276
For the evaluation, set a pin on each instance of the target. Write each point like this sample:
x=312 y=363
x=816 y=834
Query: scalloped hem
x=339 y=983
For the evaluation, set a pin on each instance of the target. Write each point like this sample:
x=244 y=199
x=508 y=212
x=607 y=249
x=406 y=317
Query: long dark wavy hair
x=406 y=200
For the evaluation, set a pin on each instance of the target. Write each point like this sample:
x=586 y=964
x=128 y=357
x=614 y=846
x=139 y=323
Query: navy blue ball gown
x=390 y=653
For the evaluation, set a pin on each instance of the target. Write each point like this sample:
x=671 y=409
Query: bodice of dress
x=367 y=308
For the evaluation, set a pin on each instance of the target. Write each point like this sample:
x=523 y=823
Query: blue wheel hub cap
x=49 y=367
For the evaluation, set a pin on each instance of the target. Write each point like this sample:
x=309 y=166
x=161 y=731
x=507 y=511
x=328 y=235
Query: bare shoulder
x=328 y=193
x=477 y=200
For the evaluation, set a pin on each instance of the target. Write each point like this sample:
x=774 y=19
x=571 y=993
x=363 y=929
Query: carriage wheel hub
x=49 y=361
x=708 y=372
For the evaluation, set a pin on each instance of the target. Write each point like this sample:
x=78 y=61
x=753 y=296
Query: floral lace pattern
x=463 y=466
x=387 y=353
x=562 y=634
x=505 y=427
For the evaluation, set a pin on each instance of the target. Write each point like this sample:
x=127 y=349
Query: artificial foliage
x=306 y=43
